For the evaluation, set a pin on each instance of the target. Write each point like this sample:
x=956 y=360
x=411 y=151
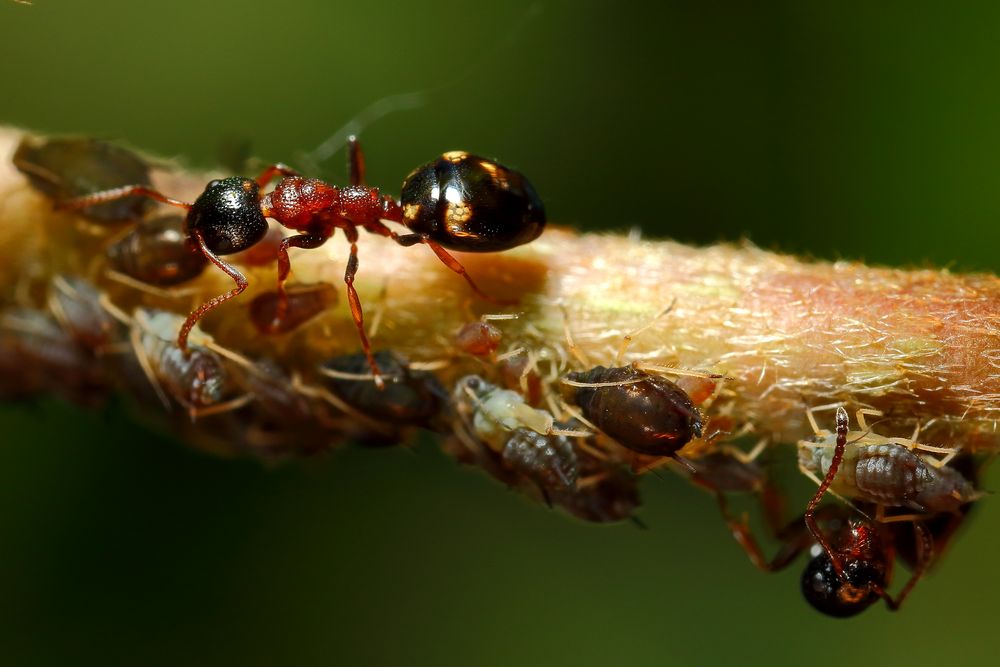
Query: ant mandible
x=459 y=201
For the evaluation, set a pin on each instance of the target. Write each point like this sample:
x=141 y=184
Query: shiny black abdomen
x=228 y=215
x=469 y=203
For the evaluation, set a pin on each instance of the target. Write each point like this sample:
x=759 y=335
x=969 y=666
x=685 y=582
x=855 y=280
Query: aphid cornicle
x=646 y=413
x=460 y=202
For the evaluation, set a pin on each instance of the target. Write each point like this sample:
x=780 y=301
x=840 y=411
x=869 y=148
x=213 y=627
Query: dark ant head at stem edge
x=646 y=413
x=460 y=202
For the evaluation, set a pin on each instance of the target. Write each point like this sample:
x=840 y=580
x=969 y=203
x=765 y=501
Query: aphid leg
x=119 y=193
x=142 y=356
x=198 y=313
x=355 y=161
x=277 y=169
x=305 y=241
x=354 y=300
x=809 y=516
x=860 y=417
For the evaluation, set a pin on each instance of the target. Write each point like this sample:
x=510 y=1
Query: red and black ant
x=459 y=202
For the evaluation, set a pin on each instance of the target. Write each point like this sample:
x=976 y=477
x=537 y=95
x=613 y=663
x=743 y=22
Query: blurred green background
x=864 y=130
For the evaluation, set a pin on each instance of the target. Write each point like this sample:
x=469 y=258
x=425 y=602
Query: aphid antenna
x=510 y=354
x=432 y=365
x=311 y=391
x=356 y=377
x=135 y=337
x=153 y=290
x=616 y=383
x=673 y=370
x=570 y=344
x=627 y=338
x=488 y=317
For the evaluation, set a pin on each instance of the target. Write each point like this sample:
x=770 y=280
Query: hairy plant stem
x=921 y=345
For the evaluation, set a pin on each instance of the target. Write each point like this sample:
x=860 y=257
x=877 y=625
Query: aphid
x=73 y=167
x=886 y=472
x=549 y=460
x=646 y=413
x=460 y=201
x=76 y=304
x=198 y=380
x=527 y=440
x=613 y=496
x=38 y=355
x=410 y=397
x=157 y=252
x=305 y=302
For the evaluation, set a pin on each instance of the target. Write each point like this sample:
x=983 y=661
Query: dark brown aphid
x=480 y=338
x=77 y=305
x=305 y=302
x=613 y=497
x=197 y=380
x=72 y=167
x=646 y=413
x=548 y=460
x=409 y=398
x=38 y=356
x=483 y=207
x=157 y=252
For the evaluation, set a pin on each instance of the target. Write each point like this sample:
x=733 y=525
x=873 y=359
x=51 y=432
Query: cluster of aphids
x=538 y=416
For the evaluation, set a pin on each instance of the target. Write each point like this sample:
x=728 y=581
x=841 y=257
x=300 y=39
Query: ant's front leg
x=277 y=169
x=925 y=556
x=831 y=473
x=305 y=241
x=114 y=194
x=196 y=315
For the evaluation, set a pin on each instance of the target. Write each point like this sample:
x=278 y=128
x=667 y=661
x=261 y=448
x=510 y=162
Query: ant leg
x=355 y=302
x=809 y=516
x=197 y=314
x=355 y=161
x=276 y=169
x=925 y=555
x=446 y=258
x=104 y=196
x=306 y=241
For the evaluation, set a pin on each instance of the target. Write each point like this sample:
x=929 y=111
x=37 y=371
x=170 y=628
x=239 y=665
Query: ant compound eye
x=469 y=203
x=228 y=215
x=828 y=594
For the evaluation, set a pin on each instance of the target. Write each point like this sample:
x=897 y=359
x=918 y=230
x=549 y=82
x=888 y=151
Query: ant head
x=827 y=593
x=469 y=203
x=228 y=215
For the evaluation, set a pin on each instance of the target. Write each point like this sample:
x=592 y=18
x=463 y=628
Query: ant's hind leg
x=355 y=161
x=114 y=194
x=229 y=270
x=305 y=241
x=276 y=169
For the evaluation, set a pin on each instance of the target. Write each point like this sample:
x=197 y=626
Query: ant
x=459 y=202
